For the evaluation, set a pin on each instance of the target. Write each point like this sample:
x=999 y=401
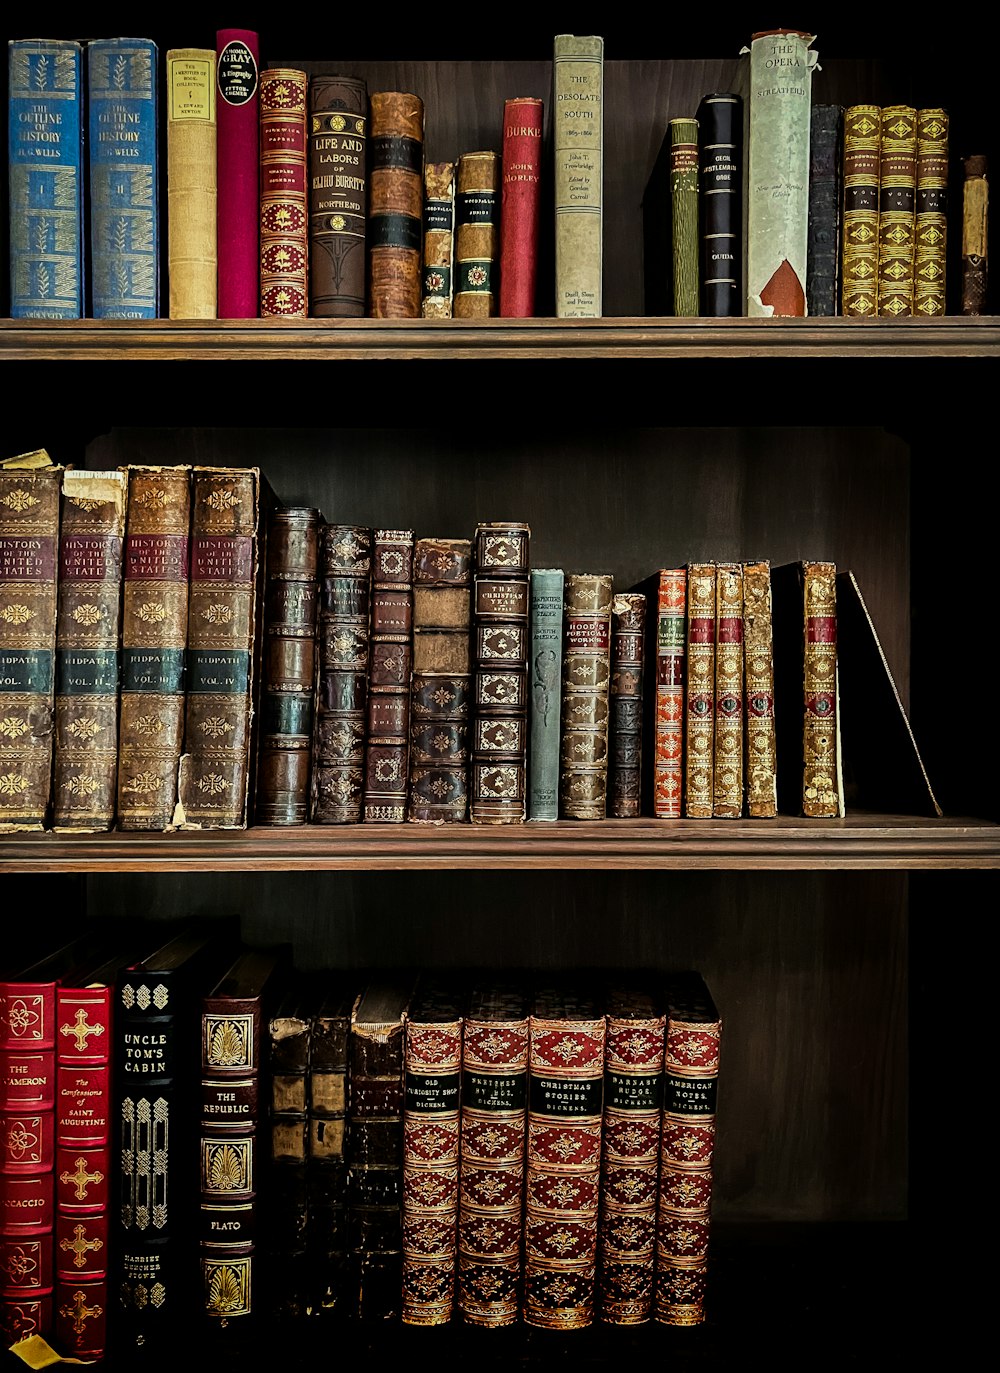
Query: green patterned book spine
x=684 y=206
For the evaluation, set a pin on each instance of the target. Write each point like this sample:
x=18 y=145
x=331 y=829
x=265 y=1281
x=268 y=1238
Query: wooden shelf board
x=858 y=842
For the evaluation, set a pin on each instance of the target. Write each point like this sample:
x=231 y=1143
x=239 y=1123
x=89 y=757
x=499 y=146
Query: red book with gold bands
x=238 y=205
x=520 y=206
x=284 y=194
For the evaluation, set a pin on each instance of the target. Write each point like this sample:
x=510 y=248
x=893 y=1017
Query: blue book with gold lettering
x=122 y=156
x=45 y=140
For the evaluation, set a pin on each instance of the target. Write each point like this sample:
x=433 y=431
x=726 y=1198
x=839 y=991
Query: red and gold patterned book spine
x=975 y=234
x=628 y=637
x=727 y=785
x=931 y=228
x=583 y=745
x=862 y=148
x=390 y=670
x=821 y=788
x=83 y=1129
x=562 y=1189
x=633 y=1102
x=758 y=658
x=668 y=741
x=433 y=1067
x=699 y=735
x=29 y=534
x=520 y=206
x=284 y=194
x=395 y=205
x=491 y=1164
x=896 y=218
x=237 y=69
x=687 y=1146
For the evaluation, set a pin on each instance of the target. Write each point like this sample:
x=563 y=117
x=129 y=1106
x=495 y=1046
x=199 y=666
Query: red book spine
x=284 y=194
x=238 y=157
x=520 y=206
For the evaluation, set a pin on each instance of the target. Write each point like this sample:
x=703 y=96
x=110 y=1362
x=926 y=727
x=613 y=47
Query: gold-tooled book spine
x=896 y=217
x=975 y=227
x=578 y=144
x=284 y=198
x=821 y=725
x=699 y=703
x=477 y=235
x=395 y=206
x=758 y=654
x=338 y=195
x=191 y=183
x=390 y=672
x=859 y=275
x=684 y=214
x=628 y=636
x=930 y=238
x=29 y=534
x=439 y=701
x=222 y=627
x=583 y=773
x=439 y=240
x=727 y=785
x=87 y=668
x=154 y=640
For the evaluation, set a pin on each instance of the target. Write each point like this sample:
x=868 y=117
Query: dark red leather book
x=238 y=204
x=520 y=206
x=284 y=193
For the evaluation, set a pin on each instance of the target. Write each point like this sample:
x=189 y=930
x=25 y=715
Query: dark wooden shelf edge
x=610 y=337
x=867 y=842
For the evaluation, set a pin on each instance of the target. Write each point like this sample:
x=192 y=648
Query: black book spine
x=825 y=194
x=720 y=156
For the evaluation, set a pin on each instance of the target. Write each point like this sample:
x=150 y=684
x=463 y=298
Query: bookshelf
x=624 y=442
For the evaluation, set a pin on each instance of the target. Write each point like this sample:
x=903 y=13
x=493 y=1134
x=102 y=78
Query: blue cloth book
x=45 y=140
x=546 y=687
x=122 y=154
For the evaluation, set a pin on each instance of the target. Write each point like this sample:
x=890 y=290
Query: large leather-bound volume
x=758 y=680
x=155 y=1091
x=520 y=206
x=628 y=632
x=477 y=235
x=930 y=236
x=433 y=1067
x=223 y=627
x=896 y=210
x=29 y=550
x=284 y=193
x=720 y=157
x=684 y=214
x=331 y=1288
x=687 y=1146
x=633 y=1102
x=500 y=701
x=192 y=185
x=562 y=1188
x=88 y=626
x=345 y=577
x=154 y=639
x=375 y=1142
x=395 y=205
x=289 y=672
x=545 y=710
x=231 y=1159
x=390 y=667
x=667 y=649
x=491 y=1160
x=284 y=1213
x=826 y=168
x=862 y=160
x=806 y=710
x=442 y=681
x=237 y=64
x=338 y=195
x=439 y=240
x=583 y=745
x=975 y=234
x=578 y=156
x=727 y=773
x=699 y=692
x=776 y=123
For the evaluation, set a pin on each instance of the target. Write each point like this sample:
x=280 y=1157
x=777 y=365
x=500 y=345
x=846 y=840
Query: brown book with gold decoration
x=975 y=234
x=758 y=691
x=154 y=641
x=477 y=235
x=338 y=194
x=390 y=667
x=439 y=240
x=931 y=226
x=88 y=629
x=583 y=773
x=896 y=218
x=439 y=698
x=395 y=205
x=727 y=780
x=699 y=702
x=223 y=631
x=859 y=268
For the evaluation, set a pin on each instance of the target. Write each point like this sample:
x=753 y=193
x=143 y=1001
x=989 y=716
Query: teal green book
x=546 y=604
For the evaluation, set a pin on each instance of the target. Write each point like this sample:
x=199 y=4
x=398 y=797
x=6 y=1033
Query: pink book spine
x=520 y=206
x=238 y=115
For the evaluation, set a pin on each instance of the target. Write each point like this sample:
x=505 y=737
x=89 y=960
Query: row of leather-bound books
x=201 y=1142
x=180 y=650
